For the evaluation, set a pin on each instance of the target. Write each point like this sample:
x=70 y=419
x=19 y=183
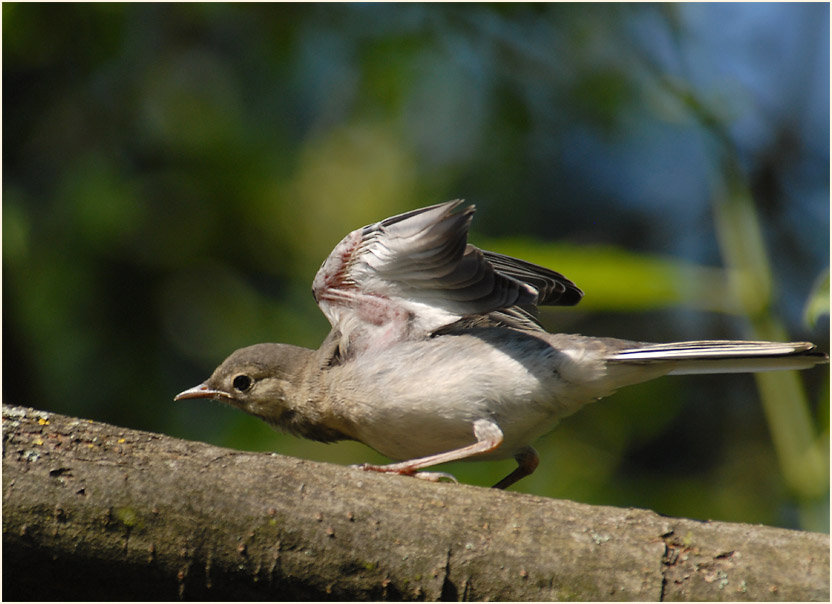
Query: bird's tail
x=722 y=356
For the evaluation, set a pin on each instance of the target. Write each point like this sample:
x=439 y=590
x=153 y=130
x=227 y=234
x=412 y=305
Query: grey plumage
x=435 y=353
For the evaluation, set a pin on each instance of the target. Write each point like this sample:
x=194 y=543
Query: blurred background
x=174 y=174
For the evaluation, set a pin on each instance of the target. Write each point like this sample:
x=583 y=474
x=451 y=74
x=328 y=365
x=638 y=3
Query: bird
x=436 y=353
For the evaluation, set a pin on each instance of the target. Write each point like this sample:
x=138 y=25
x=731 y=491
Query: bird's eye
x=242 y=383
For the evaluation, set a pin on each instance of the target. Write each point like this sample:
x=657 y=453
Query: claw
x=404 y=471
x=435 y=476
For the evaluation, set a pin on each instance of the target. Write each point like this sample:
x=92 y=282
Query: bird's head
x=258 y=379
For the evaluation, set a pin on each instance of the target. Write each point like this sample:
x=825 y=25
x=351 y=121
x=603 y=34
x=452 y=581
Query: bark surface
x=96 y=512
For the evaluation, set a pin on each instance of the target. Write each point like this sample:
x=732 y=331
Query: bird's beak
x=201 y=391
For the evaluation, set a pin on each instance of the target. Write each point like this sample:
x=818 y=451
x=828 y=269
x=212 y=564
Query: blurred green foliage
x=175 y=173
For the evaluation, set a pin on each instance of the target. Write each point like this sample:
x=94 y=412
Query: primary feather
x=414 y=274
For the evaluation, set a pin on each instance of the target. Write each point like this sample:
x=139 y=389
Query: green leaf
x=818 y=303
x=617 y=280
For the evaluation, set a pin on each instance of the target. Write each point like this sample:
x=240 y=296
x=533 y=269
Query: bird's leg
x=527 y=461
x=489 y=437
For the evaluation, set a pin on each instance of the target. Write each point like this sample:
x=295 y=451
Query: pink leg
x=527 y=461
x=489 y=437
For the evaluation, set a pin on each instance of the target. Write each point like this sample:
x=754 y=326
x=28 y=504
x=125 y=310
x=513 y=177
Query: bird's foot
x=403 y=470
x=435 y=476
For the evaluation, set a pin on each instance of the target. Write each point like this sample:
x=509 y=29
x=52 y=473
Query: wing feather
x=412 y=274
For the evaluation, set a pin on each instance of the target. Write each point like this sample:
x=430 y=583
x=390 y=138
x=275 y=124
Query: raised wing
x=413 y=274
x=553 y=289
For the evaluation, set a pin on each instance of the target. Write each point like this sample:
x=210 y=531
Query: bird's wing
x=553 y=289
x=412 y=274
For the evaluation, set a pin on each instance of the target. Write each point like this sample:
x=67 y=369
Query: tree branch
x=96 y=512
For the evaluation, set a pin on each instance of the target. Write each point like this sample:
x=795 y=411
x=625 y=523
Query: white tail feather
x=724 y=356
